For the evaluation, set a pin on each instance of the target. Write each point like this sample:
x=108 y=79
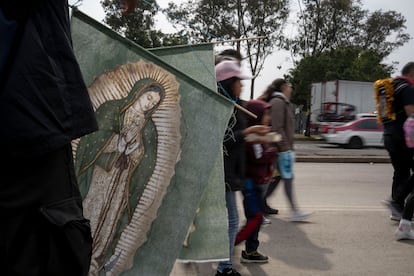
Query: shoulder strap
x=399 y=84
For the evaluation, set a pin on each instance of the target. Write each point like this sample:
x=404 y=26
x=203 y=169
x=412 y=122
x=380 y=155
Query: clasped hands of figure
x=260 y=134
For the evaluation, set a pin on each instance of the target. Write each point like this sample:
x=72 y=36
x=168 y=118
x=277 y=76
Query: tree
x=139 y=26
x=343 y=64
x=384 y=32
x=330 y=24
x=207 y=20
x=337 y=39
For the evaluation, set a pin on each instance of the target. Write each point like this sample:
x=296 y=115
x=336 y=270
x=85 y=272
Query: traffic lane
x=349 y=233
x=335 y=186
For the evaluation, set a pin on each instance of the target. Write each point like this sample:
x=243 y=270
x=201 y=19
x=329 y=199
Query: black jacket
x=235 y=152
x=403 y=95
x=44 y=103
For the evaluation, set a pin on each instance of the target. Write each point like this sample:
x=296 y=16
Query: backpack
x=384 y=92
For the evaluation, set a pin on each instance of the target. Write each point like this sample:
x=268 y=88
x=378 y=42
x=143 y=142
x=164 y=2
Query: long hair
x=274 y=86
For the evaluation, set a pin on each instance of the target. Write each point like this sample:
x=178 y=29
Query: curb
x=343 y=159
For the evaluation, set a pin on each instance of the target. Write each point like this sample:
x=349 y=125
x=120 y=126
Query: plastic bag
x=409 y=131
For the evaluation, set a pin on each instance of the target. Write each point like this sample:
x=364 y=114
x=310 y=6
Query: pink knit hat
x=228 y=69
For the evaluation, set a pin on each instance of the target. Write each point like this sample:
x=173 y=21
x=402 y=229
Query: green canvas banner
x=197 y=61
x=194 y=195
x=202 y=243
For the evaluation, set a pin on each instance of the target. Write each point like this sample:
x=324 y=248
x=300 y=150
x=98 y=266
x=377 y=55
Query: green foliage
x=204 y=20
x=338 y=39
x=384 y=32
x=340 y=64
x=209 y=20
x=326 y=25
x=139 y=26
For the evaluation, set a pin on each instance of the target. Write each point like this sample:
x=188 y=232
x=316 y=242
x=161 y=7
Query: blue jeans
x=233 y=220
x=253 y=204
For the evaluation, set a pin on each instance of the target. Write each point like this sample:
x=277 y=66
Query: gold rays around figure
x=126 y=99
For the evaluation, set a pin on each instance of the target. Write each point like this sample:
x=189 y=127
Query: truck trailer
x=338 y=101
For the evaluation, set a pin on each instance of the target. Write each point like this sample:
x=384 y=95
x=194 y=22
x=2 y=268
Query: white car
x=362 y=132
x=362 y=115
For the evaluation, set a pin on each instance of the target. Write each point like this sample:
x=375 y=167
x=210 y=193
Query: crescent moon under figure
x=124 y=169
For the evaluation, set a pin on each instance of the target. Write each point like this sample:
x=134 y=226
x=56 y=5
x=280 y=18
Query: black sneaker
x=253 y=257
x=270 y=211
x=395 y=208
x=229 y=272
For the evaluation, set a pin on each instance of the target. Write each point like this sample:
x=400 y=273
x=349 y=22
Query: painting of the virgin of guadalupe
x=125 y=168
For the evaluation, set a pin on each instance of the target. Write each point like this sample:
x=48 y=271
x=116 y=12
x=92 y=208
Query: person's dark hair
x=274 y=86
x=408 y=68
x=225 y=87
x=231 y=53
x=228 y=54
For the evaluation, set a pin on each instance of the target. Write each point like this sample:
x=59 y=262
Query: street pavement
x=350 y=232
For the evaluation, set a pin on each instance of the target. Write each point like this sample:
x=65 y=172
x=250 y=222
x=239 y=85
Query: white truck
x=339 y=101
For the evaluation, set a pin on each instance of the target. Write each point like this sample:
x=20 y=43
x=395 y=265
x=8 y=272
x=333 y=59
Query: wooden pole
x=245 y=110
x=238 y=39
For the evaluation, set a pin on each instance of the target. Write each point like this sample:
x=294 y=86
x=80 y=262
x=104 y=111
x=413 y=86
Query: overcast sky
x=281 y=59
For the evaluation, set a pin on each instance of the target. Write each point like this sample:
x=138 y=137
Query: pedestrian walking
x=278 y=94
x=400 y=150
x=395 y=104
x=229 y=76
x=259 y=161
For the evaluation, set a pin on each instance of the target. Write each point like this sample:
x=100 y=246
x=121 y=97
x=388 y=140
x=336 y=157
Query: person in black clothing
x=44 y=105
x=401 y=156
x=229 y=76
x=402 y=200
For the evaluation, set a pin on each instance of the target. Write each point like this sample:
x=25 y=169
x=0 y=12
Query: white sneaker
x=299 y=215
x=265 y=220
x=404 y=231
